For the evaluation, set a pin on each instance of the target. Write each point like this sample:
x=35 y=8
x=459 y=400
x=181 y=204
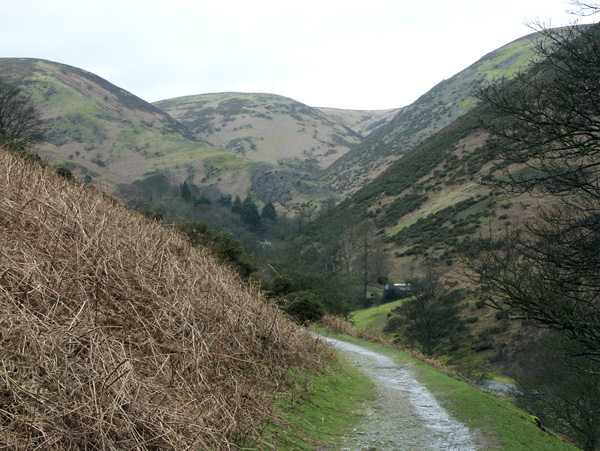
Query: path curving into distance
x=405 y=416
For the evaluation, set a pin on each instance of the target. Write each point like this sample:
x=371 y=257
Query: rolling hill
x=98 y=129
x=426 y=203
x=273 y=129
x=270 y=147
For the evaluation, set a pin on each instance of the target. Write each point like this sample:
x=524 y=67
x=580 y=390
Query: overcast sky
x=368 y=54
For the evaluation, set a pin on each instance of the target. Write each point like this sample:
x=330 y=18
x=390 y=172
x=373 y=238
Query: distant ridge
x=270 y=147
x=270 y=128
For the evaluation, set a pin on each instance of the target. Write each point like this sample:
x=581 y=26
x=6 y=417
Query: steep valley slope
x=434 y=110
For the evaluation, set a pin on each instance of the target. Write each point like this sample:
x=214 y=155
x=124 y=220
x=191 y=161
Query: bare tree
x=545 y=135
x=562 y=390
x=348 y=243
x=585 y=8
x=306 y=213
x=19 y=120
x=544 y=131
x=370 y=260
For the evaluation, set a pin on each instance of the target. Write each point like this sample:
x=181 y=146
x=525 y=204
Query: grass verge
x=331 y=404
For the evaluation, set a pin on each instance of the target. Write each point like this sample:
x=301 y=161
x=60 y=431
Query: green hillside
x=98 y=129
x=270 y=147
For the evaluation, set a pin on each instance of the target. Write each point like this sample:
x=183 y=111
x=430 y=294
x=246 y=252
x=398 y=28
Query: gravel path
x=405 y=416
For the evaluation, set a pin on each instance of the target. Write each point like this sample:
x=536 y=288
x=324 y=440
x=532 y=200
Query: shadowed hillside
x=117 y=334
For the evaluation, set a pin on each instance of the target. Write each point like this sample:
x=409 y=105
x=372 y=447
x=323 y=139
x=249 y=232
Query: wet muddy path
x=405 y=415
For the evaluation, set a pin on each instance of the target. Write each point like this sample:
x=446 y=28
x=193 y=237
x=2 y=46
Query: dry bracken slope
x=116 y=334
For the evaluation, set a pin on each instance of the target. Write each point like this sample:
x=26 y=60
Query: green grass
x=493 y=421
x=373 y=319
x=509 y=59
x=224 y=160
x=333 y=404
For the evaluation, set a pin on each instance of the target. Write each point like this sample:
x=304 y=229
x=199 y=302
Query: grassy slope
x=494 y=421
x=98 y=129
x=438 y=173
x=95 y=128
x=334 y=403
x=373 y=319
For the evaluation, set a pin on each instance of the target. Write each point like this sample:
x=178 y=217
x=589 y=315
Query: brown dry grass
x=116 y=334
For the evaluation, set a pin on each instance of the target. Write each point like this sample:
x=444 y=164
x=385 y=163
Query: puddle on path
x=405 y=416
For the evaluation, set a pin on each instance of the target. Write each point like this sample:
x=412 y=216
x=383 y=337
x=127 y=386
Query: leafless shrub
x=337 y=325
x=116 y=334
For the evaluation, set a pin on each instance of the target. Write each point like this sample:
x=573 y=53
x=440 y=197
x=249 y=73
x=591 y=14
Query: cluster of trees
x=295 y=273
x=196 y=197
x=545 y=133
x=265 y=220
x=345 y=270
x=224 y=246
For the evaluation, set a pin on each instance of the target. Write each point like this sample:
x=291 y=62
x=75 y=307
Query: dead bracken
x=116 y=334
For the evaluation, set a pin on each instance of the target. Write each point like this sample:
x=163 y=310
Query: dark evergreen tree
x=250 y=215
x=236 y=206
x=268 y=217
x=269 y=213
x=225 y=200
x=186 y=193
